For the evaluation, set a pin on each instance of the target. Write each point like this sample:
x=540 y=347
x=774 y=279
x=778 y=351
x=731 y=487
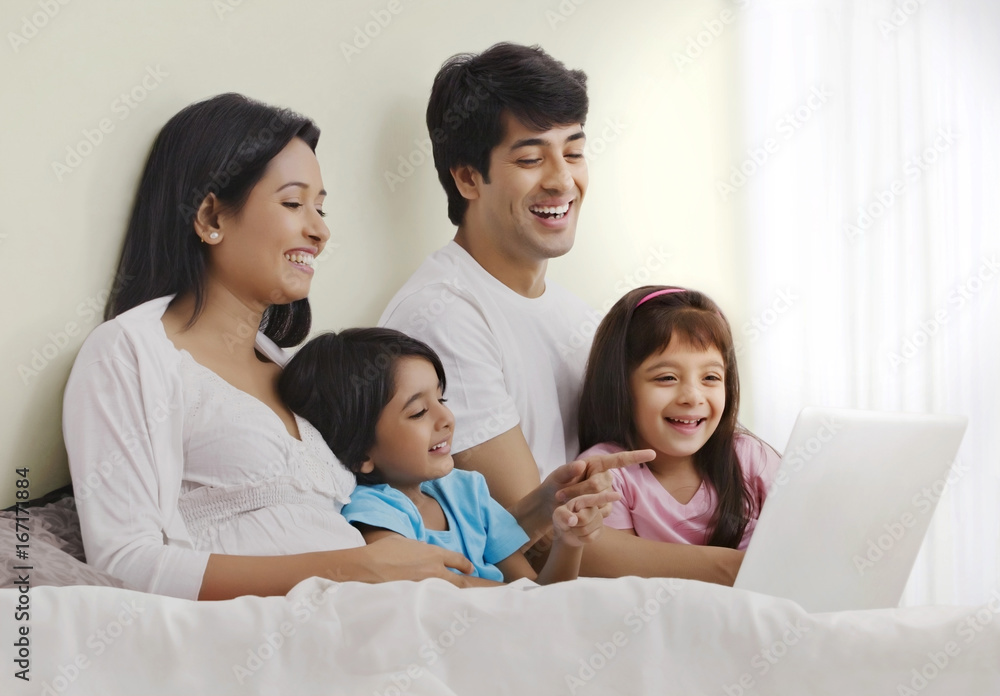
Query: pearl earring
x=214 y=235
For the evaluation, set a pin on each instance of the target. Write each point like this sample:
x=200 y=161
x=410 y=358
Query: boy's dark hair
x=341 y=383
x=471 y=93
x=628 y=335
x=221 y=145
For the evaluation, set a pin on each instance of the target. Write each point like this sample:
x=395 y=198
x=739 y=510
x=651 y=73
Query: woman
x=214 y=488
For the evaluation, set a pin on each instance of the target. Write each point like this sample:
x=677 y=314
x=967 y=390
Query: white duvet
x=588 y=637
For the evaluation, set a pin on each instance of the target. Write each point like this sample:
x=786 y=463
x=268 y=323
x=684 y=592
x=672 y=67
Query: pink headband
x=657 y=293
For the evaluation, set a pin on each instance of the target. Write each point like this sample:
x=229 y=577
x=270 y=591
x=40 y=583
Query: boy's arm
x=373 y=534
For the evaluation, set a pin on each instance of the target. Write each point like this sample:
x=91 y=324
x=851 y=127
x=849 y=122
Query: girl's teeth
x=303 y=259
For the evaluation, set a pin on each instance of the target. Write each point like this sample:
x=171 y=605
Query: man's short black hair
x=471 y=93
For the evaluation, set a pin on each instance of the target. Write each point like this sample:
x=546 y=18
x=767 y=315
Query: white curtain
x=869 y=180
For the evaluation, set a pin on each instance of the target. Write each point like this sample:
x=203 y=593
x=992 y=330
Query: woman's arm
x=618 y=553
x=389 y=557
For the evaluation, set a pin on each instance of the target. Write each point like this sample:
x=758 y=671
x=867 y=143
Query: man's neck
x=526 y=278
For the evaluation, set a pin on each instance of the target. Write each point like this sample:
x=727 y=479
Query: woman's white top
x=171 y=463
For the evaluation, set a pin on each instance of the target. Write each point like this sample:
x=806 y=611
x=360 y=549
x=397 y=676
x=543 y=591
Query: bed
x=87 y=634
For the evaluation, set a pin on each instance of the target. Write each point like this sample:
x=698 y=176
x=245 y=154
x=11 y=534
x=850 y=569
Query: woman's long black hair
x=626 y=337
x=222 y=146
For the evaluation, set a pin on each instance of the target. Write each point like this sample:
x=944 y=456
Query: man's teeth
x=304 y=259
x=549 y=211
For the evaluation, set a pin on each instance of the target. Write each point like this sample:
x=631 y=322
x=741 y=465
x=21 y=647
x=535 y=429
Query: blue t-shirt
x=478 y=528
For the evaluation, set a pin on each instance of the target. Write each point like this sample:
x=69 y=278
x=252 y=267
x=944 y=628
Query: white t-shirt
x=137 y=412
x=508 y=359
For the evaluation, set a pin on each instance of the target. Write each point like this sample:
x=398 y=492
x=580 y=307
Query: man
x=508 y=141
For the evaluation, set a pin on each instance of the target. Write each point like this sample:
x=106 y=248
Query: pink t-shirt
x=653 y=513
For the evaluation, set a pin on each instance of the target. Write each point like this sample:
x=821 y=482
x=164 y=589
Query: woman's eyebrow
x=300 y=185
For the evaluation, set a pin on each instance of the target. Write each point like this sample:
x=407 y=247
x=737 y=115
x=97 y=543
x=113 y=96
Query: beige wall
x=652 y=182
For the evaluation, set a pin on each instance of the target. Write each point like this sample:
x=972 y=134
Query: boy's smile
x=414 y=431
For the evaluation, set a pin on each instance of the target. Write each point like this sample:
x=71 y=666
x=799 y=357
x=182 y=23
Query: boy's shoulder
x=460 y=481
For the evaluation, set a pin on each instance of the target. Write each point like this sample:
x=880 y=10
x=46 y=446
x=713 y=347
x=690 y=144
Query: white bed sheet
x=591 y=636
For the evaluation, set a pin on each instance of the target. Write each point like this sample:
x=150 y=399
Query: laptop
x=849 y=507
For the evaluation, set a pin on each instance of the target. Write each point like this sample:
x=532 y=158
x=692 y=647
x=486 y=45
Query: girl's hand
x=394 y=557
x=580 y=521
x=591 y=476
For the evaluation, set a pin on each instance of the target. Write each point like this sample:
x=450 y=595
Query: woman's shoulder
x=138 y=329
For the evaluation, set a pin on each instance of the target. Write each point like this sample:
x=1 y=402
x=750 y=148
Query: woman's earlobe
x=367 y=466
x=206 y=220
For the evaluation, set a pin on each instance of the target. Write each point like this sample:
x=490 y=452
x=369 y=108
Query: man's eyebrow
x=530 y=142
x=300 y=185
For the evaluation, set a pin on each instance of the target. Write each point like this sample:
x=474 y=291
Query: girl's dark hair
x=626 y=337
x=472 y=91
x=220 y=145
x=341 y=383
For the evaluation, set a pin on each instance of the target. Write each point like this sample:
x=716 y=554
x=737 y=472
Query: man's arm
x=512 y=476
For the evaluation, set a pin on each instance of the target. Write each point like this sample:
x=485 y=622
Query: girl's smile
x=678 y=398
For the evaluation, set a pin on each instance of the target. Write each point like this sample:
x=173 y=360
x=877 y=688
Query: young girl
x=376 y=396
x=662 y=374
